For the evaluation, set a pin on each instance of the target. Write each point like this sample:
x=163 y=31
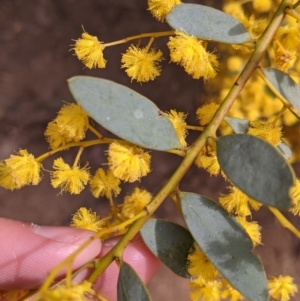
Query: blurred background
x=35 y=63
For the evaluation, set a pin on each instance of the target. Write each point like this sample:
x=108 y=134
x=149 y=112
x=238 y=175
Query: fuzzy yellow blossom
x=262 y=6
x=230 y=293
x=208 y=160
x=20 y=170
x=236 y=202
x=128 y=162
x=206 y=112
x=134 y=203
x=234 y=63
x=232 y=8
x=104 y=184
x=90 y=51
x=71 y=179
x=86 y=219
x=201 y=289
x=282 y=288
x=82 y=292
x=189 y=52
x=295 y=195
x=285 y=59
x=252 y=228
x=179 y=124
x=266 y=130
x=289 y=37
x=254 y=26
x=141 y=64
x=160 y=8
x=70 y=125
x=200 y=266
x=54 y=137
x=6 y=179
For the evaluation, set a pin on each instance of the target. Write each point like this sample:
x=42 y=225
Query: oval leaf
x=285 y=150
x=257 y=168
x=225 y=243
x=170 y=243
x=284 y=85
x=239 y=126
x=130 y=287
x=196 y=20
x=124 y=112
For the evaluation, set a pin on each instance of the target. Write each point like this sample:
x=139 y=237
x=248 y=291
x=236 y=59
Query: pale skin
x=29 y=252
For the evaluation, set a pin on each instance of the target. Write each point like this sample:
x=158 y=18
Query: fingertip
x=29 y=252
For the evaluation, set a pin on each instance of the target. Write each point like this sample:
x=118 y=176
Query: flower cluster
x=178 y=121
x=189 y=52
x=70 y=125
x=20 y=170
x=142 y=64
x=160 y=9
x=134 y=203
x=86 y=219
x=90 y=51
x=128 y=162
x=207 y=283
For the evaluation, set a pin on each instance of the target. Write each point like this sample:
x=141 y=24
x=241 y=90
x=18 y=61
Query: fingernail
x=62 y=234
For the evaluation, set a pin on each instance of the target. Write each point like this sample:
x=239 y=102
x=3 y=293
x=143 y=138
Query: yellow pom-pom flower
x=104 y=184
x=70 y=125
x=6 y=179
x=54 y=135
x=262 y=6
x=236 y=202
x=86 y=219
x=160 y=8
x=208 y=160
x=200 y=266
x=289 y=37
x=134 y=203
x=128 y=162
x=201 y=289
x=254 y=26
x=285 y=59
x=141 y=64
x=282 y=288
x=206 y=112
x=71 y=179
x=90 y=51
x=295 y=194
x=179 y=124
x=20 y=170
x=189 y=52
x=82 y=292
x=230 y=293
x=266 y=130
x=234 y=63
x=252 y=229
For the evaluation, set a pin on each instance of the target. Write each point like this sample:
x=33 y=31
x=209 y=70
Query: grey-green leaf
x=257 y=168
x=225 y=243
x=239 y=126
x=124 y=112
x=170 y=243
x=130 y=287
x=284 y=85
x=207 y=23
x=285 y=150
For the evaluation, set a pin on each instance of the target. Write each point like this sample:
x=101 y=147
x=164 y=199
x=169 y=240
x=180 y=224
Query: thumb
x=29 y=252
